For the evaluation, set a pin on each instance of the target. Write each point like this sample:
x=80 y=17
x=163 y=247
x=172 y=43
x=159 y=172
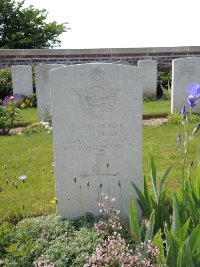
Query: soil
x=16 y=130
x=155 y=121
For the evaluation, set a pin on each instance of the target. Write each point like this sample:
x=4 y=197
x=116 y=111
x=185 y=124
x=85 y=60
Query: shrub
x=164 y=79
x=176 y=119
x=31 y=100
x=8 y=115
x=48 y=239
x=5 y=82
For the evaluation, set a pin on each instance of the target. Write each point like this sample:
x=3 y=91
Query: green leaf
x=183 y=231
x=147 y=194
x=164 y=179
x=150 y=227
x=158 y=242
x=185 y=257
x=197 y=257
x=193 y=210
x=154 y=178
x=134 y=224
x=194 y=239
x=172 y=253
x=175 y=229
x=144 y=204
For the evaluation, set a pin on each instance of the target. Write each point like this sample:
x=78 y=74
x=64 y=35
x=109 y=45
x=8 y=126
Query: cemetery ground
x=28 y=189
x=31 y=154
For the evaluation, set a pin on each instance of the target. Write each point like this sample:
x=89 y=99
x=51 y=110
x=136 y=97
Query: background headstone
x=149 y=68
x=97 y=132
x=184 y=72
x=22 y=81
x=43 y=90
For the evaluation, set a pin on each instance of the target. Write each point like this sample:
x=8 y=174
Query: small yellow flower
x=54 y=201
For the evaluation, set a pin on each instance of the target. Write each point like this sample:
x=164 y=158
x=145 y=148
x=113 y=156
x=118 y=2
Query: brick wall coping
x=102 y=51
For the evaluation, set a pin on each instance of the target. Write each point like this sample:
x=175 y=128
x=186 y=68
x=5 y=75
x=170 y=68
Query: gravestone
x=184 y=72
x=43 y=90
x=97 y=122
x=149 y=68
x=22 y=82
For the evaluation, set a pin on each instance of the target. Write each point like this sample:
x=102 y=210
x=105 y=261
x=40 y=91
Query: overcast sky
x=125 y=23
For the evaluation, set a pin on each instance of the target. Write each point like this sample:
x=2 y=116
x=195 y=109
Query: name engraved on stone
x=97 y=136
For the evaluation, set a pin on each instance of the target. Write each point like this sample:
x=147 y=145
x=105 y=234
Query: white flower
x=45 y=123
x=46 y=126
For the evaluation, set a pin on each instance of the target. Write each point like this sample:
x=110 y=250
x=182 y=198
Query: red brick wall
x=164 y=56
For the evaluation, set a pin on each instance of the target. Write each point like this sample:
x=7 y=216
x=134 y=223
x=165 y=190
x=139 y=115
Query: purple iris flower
x=193 y=94
x=183 y=113
x=194 y=89
x=191 y=100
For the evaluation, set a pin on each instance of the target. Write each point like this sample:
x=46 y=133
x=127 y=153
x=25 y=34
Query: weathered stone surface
x=22 y=79
x=149 y=68
x=43 y=90
x=184 y=72
x=97 y=122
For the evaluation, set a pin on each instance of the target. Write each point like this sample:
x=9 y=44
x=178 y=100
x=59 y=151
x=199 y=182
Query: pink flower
x=22 y=178
x=12 y=97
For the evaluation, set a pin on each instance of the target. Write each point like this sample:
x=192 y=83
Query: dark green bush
x=31 y=100
x=8 y=115
x=164 y=80
x=5 y=82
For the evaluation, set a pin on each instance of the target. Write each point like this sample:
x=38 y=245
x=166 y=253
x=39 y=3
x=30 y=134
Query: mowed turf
x=32 y=155
x=155 y=108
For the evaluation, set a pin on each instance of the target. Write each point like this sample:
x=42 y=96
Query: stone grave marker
x=43 y=90
x=22 y=79
x=149 y=68
x=184 y=72
x=97 y=133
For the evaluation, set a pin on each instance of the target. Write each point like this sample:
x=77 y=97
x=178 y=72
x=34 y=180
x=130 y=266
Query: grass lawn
x=156 y=108
x=29 y=116
x=34 y=196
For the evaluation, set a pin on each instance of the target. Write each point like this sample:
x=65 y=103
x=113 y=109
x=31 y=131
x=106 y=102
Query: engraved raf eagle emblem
x=98 y=96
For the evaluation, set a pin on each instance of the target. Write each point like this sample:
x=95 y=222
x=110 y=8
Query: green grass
x=150 y=108
x=156 y=108
x=34 y=196
x=29 y=116
x=38 y=190
x=161 y=142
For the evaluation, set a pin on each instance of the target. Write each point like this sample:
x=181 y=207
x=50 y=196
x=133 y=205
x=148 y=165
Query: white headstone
x=184 y=72
x=149 y=68
x=97 y=123
x=43 y=90
x=22 y=79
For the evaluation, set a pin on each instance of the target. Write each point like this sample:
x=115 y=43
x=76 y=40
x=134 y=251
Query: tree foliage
x=25 y=28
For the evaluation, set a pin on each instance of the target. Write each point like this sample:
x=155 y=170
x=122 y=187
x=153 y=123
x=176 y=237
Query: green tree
x=26 y=28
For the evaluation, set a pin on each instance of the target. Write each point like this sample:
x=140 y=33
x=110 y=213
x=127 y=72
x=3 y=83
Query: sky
x=124 y=23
